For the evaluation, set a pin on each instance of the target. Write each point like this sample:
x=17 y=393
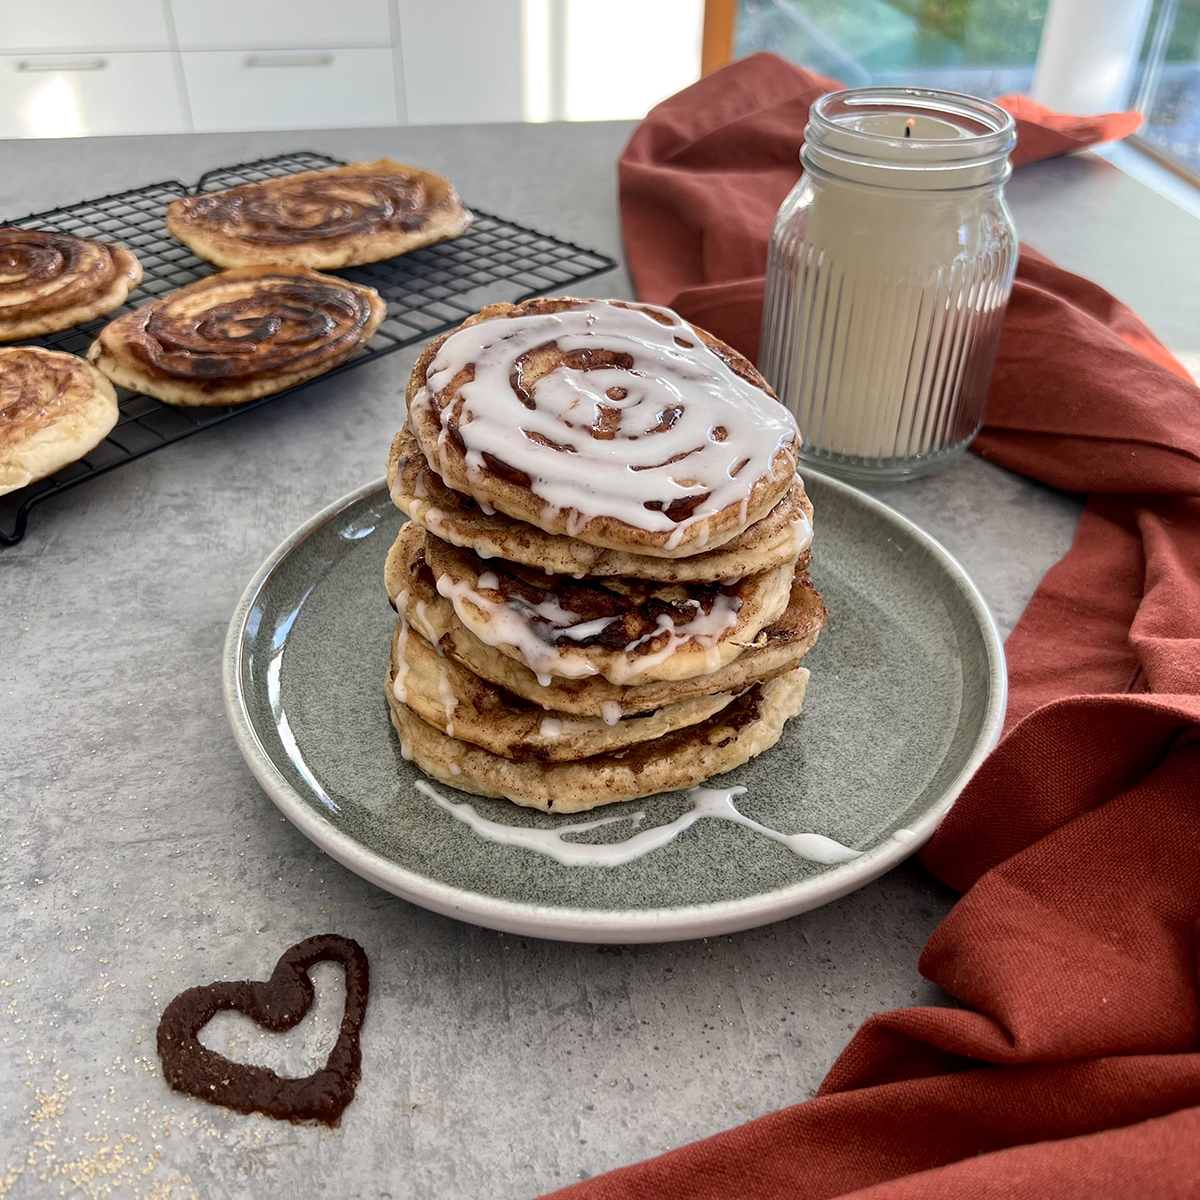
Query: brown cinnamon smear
x=219 y=328
x=38 y=388
x=279 y=1004
x=312 y=208
x=42 y=270
x=634 y=605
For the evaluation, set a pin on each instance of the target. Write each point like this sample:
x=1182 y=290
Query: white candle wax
x=895 y=124
x=886 y=271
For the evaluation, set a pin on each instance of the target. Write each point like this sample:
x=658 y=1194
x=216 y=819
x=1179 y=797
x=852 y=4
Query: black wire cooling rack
x=427 y=291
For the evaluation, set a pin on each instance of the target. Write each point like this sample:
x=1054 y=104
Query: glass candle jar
x=889 y=269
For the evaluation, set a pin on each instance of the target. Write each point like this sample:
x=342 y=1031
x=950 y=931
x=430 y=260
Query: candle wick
x=908 y=127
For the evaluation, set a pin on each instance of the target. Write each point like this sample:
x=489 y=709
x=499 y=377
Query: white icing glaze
x=551 y=727
x=679 y=401
x=610 y=710
x=399 y=689
x=508 y=624
x=455 y=769
x=705 y=628
x=449 y=702
x=803 y=532
x=489 y=580
x=587 y=629
x=422 y=613
x=714 y=803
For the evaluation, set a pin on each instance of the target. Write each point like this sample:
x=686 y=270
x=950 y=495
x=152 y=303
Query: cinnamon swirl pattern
x=360 y=213
x=776 y=650
x=603 y=591
x=783 y=534
x=617 y=424
x=54 y=409
x=51 y=281
x=626 y=630
x=238 y=335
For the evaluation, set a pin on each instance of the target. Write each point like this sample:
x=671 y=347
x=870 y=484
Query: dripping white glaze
x=399 y=684
x=551 y=727
x=449 y=701
x=714 y=803
x=705 y=628
x=587 y=629
x=686 y=424
x=508 y=624
x=422 y=614
x=610 y=710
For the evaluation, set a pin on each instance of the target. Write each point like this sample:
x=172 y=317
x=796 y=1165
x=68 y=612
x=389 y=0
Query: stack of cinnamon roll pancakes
x=603 y=591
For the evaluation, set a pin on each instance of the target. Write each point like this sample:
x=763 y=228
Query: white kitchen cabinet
x=149 y=66
x=280 y=24
x=77 y=95
x=462 y=60
x=83 y=25
x=282 y=89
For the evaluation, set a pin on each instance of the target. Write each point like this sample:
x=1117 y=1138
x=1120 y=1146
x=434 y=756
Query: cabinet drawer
x=264 y=24
x=77 y=95
x=280 y=89
x=83 y=25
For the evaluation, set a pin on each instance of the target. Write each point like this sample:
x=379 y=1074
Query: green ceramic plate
x=906 y=697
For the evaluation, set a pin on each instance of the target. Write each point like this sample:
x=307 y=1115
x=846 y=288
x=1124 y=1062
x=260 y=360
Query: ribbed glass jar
x=889 y=269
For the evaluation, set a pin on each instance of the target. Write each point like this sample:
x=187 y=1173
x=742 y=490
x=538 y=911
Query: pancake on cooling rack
x=51 y=281
x=603 y=592
x=342 y=217
x=54 y=409
x=238 y=335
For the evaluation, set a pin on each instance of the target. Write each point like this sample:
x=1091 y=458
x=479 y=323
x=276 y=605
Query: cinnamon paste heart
x=279 y=1004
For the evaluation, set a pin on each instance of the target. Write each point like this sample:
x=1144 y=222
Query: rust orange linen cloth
x=1073 y=1069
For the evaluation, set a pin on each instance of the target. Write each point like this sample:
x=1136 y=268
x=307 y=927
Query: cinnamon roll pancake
x=51 y=281
x=626 y=630
x=745 y=727
x=617 y=424
x=448 y=696
x=360 y=213
x=238 y=335
x=780 y=537
x=54 y=409
x=412 y=588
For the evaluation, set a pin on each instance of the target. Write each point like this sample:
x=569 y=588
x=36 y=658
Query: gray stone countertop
x=139 y=856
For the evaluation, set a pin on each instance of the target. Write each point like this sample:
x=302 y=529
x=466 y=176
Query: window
x=1168 y=85
x=1096 y=55
x=985 y=47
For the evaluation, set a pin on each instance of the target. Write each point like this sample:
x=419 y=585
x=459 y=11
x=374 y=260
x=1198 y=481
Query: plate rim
x=610 y=926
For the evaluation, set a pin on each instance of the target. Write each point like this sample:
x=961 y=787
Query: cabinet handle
x=289 y=60
x=63 y=64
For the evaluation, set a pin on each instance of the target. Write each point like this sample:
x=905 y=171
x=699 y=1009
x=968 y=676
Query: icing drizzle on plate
x=714 y=803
